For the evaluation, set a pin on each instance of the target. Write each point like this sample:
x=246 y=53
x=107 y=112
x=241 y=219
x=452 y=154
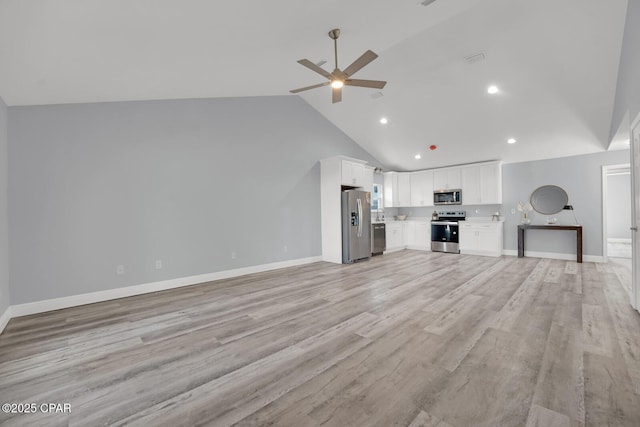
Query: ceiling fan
x=337 y=78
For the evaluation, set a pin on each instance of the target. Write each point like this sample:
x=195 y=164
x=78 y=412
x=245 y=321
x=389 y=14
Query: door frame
x=635 y=264
x=606 y=171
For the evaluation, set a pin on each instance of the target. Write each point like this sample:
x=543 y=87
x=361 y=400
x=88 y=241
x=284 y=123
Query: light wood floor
x=405 y=339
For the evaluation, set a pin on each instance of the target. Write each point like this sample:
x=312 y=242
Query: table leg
x=520 y=242
x=579 y=241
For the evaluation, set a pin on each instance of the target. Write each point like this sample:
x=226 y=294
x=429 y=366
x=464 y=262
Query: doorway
x=617 y=221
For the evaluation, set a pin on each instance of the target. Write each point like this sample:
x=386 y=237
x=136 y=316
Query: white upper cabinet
x=367 y=180
x=404 y=189
x=397 y=189
x=491 y=183
x=445 y=179
x=422 y=188
x=482 y=184
x=356 y=174
x=353 y=175
x=471 y=188
x=390 y=191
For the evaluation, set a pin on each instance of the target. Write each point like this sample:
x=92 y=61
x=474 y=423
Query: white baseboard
x=4 y=319
x=418 y=248
x=390 y=251
x=616 y=240
x=554 y=255
x=93 y=297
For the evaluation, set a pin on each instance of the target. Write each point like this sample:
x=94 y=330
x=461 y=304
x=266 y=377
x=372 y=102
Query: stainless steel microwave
x=447 y=197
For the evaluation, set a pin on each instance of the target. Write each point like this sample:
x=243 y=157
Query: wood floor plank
x=263 y=376
x=522 y=298
x=342 y=379
x=423 y=419
x=571 y=268
x=609 y=396
x=626 y=322
x=405 y=339
x=568 y=311
x=451 y=350
x=560 y=385
x=542 y=417
x=597 y=328
x=453 y=315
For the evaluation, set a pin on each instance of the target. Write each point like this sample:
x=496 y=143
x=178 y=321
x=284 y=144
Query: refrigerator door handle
x=359 y=217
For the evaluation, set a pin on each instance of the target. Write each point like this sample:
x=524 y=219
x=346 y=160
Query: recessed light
x=417 y=156
x=511 y=141
x=492 y=90
x=384 y=120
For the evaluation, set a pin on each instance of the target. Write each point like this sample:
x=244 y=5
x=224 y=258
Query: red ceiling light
x=433 y=147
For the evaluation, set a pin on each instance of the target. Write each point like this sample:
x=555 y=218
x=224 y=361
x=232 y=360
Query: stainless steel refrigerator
x=356 y=225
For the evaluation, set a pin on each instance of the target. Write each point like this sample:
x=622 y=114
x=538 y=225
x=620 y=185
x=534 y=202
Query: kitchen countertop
x=428 y=219
x=412 y=219
x=482 y=219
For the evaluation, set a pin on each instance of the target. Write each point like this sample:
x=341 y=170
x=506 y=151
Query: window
x=376 y=198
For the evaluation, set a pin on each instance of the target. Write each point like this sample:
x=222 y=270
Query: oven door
x=444 y=236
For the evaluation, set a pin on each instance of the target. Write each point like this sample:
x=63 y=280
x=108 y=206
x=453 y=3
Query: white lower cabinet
x=394 y=234
x=408 y=235
x=481 y=238
x=418 y=235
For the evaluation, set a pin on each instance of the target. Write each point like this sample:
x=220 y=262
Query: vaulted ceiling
x=555 y=63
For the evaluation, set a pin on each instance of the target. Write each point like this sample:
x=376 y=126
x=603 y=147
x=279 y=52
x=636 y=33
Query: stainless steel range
x=444 y=231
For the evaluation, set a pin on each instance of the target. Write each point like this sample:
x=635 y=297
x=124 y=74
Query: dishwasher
x=378 y=239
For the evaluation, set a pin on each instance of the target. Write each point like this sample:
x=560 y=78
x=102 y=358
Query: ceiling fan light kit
x=339 y=78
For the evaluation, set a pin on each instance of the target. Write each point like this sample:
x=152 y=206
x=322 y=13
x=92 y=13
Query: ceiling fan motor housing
x=339 y=78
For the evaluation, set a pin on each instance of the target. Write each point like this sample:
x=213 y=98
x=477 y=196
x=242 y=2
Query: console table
x=576 y=228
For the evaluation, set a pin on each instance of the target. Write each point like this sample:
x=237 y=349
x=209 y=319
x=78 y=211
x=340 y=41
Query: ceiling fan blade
x=337 y=95
x=376 y=84
x=310 y=65
x=309 y=87
x=364 y=59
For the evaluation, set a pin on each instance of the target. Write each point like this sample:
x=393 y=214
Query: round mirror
x=549 y=199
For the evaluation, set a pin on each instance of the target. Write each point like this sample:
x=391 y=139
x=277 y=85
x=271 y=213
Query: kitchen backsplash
x=389 y=213
x=472 y=211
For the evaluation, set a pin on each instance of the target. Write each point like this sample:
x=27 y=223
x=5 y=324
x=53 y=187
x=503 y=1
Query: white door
x=635 y=220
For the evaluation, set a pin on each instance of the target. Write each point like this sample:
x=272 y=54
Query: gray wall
x=188 y=182
x=581 y=177
x=619 y=206
x=628 y=87
x=4 y=221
